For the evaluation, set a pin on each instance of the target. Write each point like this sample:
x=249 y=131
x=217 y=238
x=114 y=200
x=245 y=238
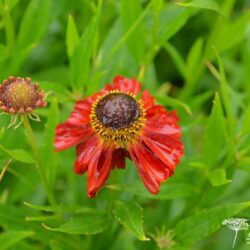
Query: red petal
x=84 y=153
x=162 y=128
x=126 y=85
x=156 y=111
x=108 y=87
x=147 y=99
x=151 y=162
x=68 y=135
x=80 y=115
x=163 y=122
x=168 y=149
x=118 y=159
x=99 y=168
x=150 y=183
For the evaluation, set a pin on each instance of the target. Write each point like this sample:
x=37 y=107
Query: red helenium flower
x=114 y=124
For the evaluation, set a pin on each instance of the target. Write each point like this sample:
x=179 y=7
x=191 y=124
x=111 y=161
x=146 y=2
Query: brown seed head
x=18 y=95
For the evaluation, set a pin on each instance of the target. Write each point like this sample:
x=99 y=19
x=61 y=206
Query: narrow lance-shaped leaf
x=87 y=224
x=130 y=216
x=3 y=52
x=34 y=23
x=130 y=11
x=72 y=37
x=200 y=225
x=194 y=60
x=63 y=209
x=215 y=132
x=203 y=4
x=218 y=177
x=231 y=32
x=10 y=238
x=177 y=58
x=171 y=190
x=80 y=60
x=246 y=121
x=11 y=3
x=225 y=93
x=19 y=155
x=171 y=20
x=118 y=44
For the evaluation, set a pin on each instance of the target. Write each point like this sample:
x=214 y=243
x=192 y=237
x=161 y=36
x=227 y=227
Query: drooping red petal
x=126 y=85
x=152 y=163
x=99 y=168
x=149 y=181
x=119 y=156
x=84 y=152
x=165 y=147
x=68 y=135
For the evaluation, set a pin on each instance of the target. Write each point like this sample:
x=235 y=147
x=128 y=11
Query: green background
x=193 y=56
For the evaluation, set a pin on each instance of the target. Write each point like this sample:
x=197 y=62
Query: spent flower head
x=236 y=224
x=18 y=96
x=164 y=238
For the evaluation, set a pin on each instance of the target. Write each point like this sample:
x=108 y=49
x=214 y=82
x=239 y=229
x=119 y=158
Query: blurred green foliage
x=194 y=56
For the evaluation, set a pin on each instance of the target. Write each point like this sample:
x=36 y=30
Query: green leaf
x=87 y=224
x=130 y=10
x=11 y=3
x=12 y=217
x=49 y=158
x=34 y=23
x=80 y=60
x=3 y=52
x=244 y=163
x=198 y=226
x=173 y=102
x=118 y=44
x=218 y=177
x=170 y=191
x=19 y=155
x=130 y=216
x=245 y=129
x=231 y=33
x=177 y=58
x=171 y=20
x=225 y=93
x=62 y=209
x=10 y=238
x=203 y=4
x=215 y=131
x=246 y=63
x=42 y=218
x=72 y=37
x=115 y=31
x=194 y=60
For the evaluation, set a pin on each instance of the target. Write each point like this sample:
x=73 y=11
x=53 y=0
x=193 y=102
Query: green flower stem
x=113 y=194
x=32 y=141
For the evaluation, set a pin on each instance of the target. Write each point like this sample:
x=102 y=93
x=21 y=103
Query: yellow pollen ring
x=119 y=137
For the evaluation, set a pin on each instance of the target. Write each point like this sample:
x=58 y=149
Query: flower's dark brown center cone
x=117 y=111
x=19 y=94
